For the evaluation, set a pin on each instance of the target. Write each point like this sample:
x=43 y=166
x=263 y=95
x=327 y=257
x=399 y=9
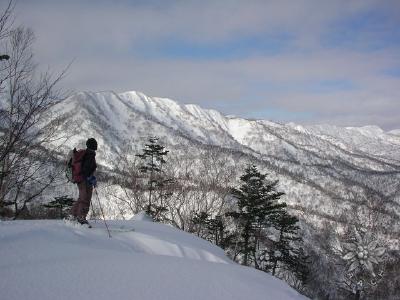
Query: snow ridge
x=211 y=127
x=153 y=262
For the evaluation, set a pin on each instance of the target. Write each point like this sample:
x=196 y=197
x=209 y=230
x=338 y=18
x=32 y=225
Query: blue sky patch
x=241 y=47
x=367 y=31
x=280 y=114
x=393 y=72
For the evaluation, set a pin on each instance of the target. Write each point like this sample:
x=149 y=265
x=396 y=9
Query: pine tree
x=256 y=206
x=283 y=249
x=212 y=229
x=153 y=162
x=200 y=221
x=300 y=266
x=62 y=204
x=217 y=229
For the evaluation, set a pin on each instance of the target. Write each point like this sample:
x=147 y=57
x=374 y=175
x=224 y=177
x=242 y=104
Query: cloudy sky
x=335 y=62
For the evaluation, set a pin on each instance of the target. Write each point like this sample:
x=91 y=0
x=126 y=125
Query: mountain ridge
x=322 y=168
x=170 y=113
x=190 y=107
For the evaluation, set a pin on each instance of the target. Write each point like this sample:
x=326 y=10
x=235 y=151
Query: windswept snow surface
x=57 y=260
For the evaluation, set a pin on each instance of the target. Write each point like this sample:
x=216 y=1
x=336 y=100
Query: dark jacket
x=89 y=163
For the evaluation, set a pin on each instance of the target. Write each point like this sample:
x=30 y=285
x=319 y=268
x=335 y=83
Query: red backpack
x=74 y=165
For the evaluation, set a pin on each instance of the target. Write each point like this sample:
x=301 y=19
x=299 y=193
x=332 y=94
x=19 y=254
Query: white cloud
x=103 y=38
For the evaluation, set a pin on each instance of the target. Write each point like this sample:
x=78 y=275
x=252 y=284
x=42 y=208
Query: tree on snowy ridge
x=25 y=102
x=256 y=206
x=213 y=229
x=203 y=181
x=153 y=161
x=285 y=251
x=267 y=236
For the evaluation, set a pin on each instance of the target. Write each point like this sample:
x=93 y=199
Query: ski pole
x=102 y=212
x=93 y=214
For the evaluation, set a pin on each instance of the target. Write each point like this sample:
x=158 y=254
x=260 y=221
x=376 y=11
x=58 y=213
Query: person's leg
x=81 y=203
x=75 y=208
x=86 y=202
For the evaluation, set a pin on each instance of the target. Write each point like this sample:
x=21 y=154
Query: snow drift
x=57 y=260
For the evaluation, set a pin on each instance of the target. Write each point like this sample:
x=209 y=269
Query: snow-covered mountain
x=121 y=116
x=395 y=132
x=57 y=260
x=325 y=170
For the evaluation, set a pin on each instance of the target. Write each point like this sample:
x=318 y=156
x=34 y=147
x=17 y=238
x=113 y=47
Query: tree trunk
x=357 y=296
x=246 y=247
x=274 y=267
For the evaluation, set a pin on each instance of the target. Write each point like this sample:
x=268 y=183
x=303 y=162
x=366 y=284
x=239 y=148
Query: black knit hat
x=91 y=144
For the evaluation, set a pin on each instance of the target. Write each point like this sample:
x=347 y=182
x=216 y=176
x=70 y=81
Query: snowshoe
x=84 y=222
x=70 y=218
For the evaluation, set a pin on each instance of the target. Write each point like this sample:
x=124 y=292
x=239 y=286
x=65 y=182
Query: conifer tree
x=300 y=266
x=217 y=228
x=212 y=229
x=200 y=221
x=256 y=206
x=62 y=204
x=283 y=249
x=153 y=162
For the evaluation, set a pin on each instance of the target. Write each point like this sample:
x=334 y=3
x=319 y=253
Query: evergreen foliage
x=266 y=234
x=62 y=205
x=153 y=161
x=283 y=249
x=256 y=209
x=200 y=221
x=213 y=229
x=300 y=266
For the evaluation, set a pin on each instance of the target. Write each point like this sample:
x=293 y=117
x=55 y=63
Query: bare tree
x=27 y=125
x=127 y=189
x=5 y=25
x=202 y=180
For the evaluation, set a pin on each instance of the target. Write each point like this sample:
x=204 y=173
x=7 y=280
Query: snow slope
x=52 y=259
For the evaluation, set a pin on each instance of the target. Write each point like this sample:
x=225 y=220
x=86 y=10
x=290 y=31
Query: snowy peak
x=167 y=110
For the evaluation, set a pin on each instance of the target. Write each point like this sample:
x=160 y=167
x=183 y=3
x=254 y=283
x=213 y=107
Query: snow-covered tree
x=364 y=258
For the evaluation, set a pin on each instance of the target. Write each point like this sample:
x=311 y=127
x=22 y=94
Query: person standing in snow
x=85 y=186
